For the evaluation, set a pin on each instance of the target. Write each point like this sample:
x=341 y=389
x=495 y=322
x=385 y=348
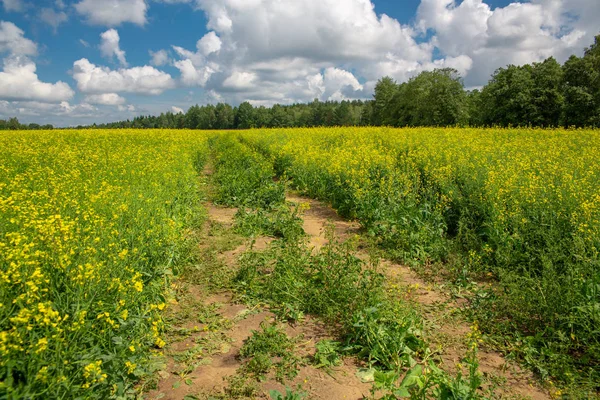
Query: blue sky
x=93 y=62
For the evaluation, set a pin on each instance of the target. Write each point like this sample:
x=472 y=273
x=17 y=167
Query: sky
x=72 y=62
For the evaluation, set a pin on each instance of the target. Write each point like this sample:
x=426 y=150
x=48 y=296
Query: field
x=110 y=243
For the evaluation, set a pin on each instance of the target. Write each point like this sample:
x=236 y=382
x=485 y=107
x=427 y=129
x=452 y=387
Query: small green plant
x=280 y=222
x=328 y=354
x=289 y=394
x=425 y=380
x=269 y=348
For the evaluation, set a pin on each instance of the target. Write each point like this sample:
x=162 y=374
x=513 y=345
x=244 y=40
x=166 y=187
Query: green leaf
x=366 y=374
x=412 y=377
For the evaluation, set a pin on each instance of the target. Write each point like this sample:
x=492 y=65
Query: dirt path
x=444 y=323
x=208 y=326
x=201 y=356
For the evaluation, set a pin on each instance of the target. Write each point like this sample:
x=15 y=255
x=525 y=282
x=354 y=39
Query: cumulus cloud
x=177 y=110
x=240 y=80
x=279 y=50
x=113 y=12
x=210 y=43
x=109 y=46
x=19 y=81
x=192 y=76
x=41 y=109
x=53 y=18
x=95 y=79
x=159 y=58
x=12 y=40
x=270 y=51
x=516 y=34
x=107 y=99
x=337 y=81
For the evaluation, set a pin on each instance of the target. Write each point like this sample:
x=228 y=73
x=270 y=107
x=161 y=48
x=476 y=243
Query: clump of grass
x=269 y=349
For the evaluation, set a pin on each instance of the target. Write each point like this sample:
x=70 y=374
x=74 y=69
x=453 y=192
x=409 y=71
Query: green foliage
x=267 y=349
x=386 y=335
x=425 y=380
x=433 y=98
x=281 y=222
x=242 y=176
x=328 y=354
x=93 y=225
x=289 y=394
x=500 y=205
x=333 y=284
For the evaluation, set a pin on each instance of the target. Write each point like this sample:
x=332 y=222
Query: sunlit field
x=92 y=223
x=95 y=223
x=518 y=207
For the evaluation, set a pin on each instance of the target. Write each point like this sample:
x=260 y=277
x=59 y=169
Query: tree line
x=543 y=94
x=13 y=124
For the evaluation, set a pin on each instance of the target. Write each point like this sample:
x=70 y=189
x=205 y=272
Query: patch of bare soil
x=316 y=219
x=222 y=215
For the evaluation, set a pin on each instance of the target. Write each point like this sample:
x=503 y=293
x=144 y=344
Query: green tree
x=385 y=90
x=192 y=117
x=508 y=97
x=343 y=114
x=244 y=116
x=433 y=98
x=547 y=96
x=582 y=88
x=224 y=116
x=208 y=117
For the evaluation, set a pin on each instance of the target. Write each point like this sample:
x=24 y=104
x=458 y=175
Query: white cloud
x=177 y=110
x=46 y=110
x=107 y=99
x=53 y=18
x=521 y=32
x=159 y=58
x=210 y=43
x=338 y=83
x=91 y=78
x=113 y=12
x=84 y=43
x=282 y=50
x=82 y=109
x=192 y=76
x=13 y=5
x=274 y=50
x=109 y=47
x=240 y=80
x=19 y=81
x=13 y=41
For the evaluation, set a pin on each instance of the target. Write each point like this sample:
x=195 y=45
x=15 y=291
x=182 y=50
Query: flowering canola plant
x=519 y=205
x=91 y=223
